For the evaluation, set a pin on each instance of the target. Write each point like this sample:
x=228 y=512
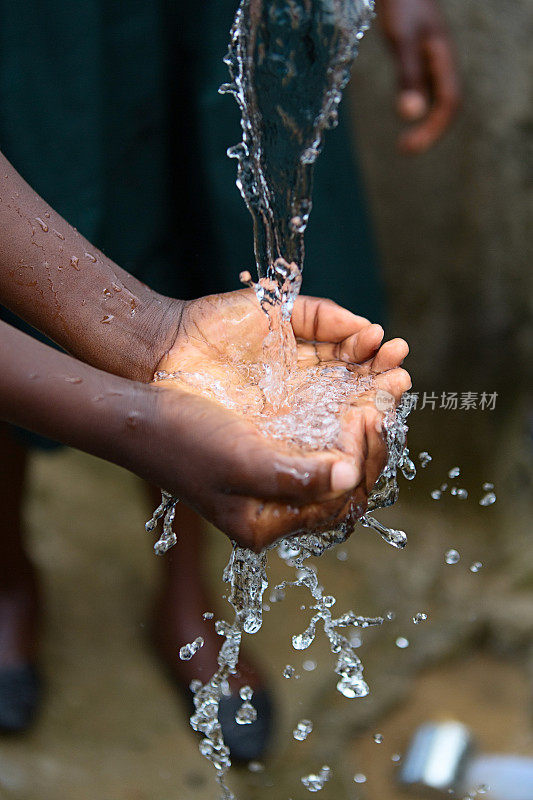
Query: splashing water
x=302 y=730
x=289 y=61
x=189 y=650
x=314 y=783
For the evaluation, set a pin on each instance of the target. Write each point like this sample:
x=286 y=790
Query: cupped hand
x=428 y=93
x=253 y=487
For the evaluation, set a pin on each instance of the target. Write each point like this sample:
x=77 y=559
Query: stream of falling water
x=289 y=61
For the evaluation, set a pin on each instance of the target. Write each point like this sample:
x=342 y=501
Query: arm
x=208 y=456
x=58 y=282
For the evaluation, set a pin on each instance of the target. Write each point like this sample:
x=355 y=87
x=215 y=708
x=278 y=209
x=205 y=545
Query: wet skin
x=257 y=489
x=101 y=401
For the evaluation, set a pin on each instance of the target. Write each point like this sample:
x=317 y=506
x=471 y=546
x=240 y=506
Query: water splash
x=314 y=783
x=289 y=61
x=189 y=650
x=452 y=557
x=302 y=730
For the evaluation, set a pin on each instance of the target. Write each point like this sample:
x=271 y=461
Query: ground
x=112 y=727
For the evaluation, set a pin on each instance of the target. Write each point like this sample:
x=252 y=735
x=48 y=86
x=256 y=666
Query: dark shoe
x=20 y=697
x=247 y=742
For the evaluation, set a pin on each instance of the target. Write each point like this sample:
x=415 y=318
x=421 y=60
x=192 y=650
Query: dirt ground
x=112 y=727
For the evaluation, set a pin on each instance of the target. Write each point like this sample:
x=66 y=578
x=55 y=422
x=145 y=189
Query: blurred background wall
x=454 y=225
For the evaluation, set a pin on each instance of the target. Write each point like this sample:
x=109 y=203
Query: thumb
x=305 y=479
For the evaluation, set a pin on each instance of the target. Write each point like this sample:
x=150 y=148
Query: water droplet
x=424 y=458
x=277 y=595
x=451 y=556
x=107 y=319
x=256 y=766
x=408 y=468
x=419 y=617
x=342 y=555
x=289 y=671
x=133 y=419
x=246 y=713
x=42 y=223
x=246 y=693
x=301 y=641
x=59 y=235
x=396 y=757
x=329 y=601
x=488 y=499
x=359 y=777
x=436 y=494
x=208 y=615
x=309 y=665
x=402 y=642
x=487 y=487
x=390 y=615
x=454 y=472
x=378 y=738
x=74 y=262
x=188 y=650
x=476 y=566
x=314 y=783
x=90 y=256
x=462 y=494
x=302 y=730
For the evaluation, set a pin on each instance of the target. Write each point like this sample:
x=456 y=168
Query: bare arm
x=58 y=282
x=199 y=451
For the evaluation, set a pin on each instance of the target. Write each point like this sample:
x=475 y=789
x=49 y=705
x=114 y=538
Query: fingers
x=389 y=356
x=443 y=81
x=361 y=346
x=273 y=521
x=395 y=382
x=376 y=449
x=271 y=474
x=320 y=320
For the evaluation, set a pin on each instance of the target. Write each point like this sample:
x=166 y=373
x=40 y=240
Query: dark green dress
x=110 y=110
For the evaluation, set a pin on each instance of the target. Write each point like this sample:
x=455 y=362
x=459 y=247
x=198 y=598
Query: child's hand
x=428 y=94
x=254 y=488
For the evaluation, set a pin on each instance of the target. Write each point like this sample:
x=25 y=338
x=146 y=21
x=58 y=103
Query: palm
x=218 y=353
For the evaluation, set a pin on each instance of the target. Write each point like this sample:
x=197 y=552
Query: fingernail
x=412 y=105
x=344 y=476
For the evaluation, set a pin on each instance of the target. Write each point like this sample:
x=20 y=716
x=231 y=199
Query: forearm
x=53 y=394
x=58 y=282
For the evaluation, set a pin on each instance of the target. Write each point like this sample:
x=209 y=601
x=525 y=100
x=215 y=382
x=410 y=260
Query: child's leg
x=18 y=582
x=183 y=599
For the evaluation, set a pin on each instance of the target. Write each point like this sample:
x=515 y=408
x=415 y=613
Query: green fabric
x=111 y=111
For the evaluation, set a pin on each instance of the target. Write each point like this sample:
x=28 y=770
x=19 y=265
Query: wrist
x=155 y=334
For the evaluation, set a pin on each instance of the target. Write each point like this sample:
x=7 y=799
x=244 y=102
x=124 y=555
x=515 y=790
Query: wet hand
x=428 y=94
x=254 y=488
